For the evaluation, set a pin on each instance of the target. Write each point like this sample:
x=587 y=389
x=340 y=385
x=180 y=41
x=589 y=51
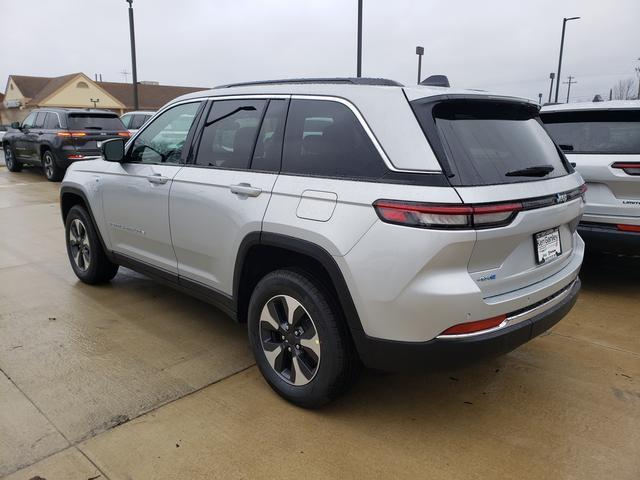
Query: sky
x=505 y=46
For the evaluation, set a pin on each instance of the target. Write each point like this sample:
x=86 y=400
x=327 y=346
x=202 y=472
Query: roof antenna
x=436 y=81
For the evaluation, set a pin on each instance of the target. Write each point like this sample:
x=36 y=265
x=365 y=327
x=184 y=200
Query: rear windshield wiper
x=93 y=128
x=534 y=171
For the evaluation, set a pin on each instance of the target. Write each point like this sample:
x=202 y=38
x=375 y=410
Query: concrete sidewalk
x=135 y=381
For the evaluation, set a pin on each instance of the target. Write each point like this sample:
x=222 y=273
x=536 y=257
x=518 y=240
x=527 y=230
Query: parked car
x=134 y=120
x=603 y=140
x=54 y=138
x=3 y=130
x=400 y=227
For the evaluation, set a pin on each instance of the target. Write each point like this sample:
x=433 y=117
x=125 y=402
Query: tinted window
x=229 y=133
x=126 y=120
x=29 y=121
x=39 y=123
x=489 y=143
x=94 y=121
x=595 y=132
x=325 y=138
x=137 y=121
x=163 y=139
x=51 y=121
x=268 y=151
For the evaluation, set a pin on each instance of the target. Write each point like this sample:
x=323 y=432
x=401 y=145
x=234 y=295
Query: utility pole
x=564 y=24
x=569 y=83
x=638 y=75
x=133 y=56
x=552 y=75
x=359 y=67
x=419 y=52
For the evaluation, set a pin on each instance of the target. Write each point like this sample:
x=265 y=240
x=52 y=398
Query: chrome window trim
x=516 y=319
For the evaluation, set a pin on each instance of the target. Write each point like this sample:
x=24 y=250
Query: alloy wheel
x=289 y=340
x=48 y=165
x=8 y=158
x=79 y=244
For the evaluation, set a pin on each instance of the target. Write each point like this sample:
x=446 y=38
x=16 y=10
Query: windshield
x=612 y=132
x=486 y=142
x=93 y=121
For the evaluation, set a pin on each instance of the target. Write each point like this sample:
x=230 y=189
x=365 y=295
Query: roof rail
x=344 y=80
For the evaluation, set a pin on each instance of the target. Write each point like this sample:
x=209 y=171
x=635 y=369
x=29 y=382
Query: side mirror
x=113 y=150
x=15 y=125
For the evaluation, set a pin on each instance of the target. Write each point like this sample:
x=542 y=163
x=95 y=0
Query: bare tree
x=625 y=89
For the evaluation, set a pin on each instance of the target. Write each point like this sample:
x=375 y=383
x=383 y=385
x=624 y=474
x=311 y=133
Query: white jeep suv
x=346 y=221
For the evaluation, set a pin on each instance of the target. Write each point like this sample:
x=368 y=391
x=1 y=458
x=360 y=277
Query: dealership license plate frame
x=546 y=251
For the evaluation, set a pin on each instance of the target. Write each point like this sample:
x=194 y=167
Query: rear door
x=605 y=146
x=135 y=193
x=223 y=192
x=90 y=129
x=497 y=152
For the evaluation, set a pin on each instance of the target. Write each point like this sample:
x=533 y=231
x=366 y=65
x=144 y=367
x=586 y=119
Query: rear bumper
x=442 y=353
x=605 y=237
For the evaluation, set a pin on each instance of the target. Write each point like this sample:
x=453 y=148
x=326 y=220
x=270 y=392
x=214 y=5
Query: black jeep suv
x=53 y=138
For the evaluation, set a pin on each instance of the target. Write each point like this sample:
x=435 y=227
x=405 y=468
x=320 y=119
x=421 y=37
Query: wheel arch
x=72 y=196
x=259 y=253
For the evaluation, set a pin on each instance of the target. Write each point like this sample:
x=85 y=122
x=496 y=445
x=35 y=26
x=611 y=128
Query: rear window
x=608 y=132
x=482 y=142
x=92 y=121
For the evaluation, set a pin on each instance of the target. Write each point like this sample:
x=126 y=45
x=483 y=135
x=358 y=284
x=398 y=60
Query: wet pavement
x=133 y=380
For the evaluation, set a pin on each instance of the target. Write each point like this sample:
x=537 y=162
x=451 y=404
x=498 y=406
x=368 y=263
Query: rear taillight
x=629 y=228
x=75 y=156
x=630 y=168
x=124 y=134
x=71 y=134
x=440 y=216
x=475 y=327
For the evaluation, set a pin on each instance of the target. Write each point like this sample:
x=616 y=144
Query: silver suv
x=603 y=139
x=346 y=221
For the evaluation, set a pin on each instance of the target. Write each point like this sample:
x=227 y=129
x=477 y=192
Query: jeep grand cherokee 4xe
x=603 y=139
x=55 y=138
x=344 y=220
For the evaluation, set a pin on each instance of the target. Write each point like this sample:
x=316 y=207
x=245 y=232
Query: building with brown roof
x=77 y=90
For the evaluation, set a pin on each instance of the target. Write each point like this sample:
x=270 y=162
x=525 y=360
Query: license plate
x=547 y=245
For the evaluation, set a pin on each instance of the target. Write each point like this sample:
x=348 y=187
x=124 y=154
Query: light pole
x=539 y=99
x=133 y=56
x=564 y=24
x=359 y=68
x=551 y=77
x=419 y=52
x=95 y=102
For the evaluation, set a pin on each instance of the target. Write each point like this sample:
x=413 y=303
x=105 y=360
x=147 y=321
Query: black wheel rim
x=79 y=245
x=289 y=340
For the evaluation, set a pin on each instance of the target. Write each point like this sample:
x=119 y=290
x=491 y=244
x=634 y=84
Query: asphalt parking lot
x=132 y=380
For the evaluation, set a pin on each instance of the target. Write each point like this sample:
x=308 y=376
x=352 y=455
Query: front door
x=135 y=192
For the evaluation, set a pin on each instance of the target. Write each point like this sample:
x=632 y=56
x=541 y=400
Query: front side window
x=604 y=132
x=489 y=142
x=325 y=138
x=229 y=133
x=163 y=140
x=29 y=121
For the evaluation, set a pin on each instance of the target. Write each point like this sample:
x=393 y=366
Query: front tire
x=300 y=340
x=51 y=170
x=13 y=165
x=88 y=259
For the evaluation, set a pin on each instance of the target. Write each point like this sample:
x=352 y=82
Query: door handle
x=157 y=179
x=245 y=189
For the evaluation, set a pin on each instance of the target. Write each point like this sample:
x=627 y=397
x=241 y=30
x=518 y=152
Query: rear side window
x=325 y=138
x=51 y=122
x=137 y=121
x=126 y=120
x=229 y=133
x=486 y=142
x=39 y=123
x=607 y=131
x=93 y=121
x=268 y=151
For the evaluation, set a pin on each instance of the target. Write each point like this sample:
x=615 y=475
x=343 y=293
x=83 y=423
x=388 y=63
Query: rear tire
x=13 y=165
x=307 y=356
x=88 y=259
x=51 y=170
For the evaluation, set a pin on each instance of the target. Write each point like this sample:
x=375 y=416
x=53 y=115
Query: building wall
x=13 y=93
x=78 y=93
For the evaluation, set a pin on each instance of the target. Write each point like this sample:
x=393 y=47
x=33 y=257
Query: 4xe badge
x=561 y=197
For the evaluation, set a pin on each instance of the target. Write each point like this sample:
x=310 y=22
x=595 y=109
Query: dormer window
x=82 y=85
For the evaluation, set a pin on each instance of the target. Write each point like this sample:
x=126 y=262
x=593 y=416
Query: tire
x=51 y=170
x=313 y=361
x=13 y=165
x=86 y=255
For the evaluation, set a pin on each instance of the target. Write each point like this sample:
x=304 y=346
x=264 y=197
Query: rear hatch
x=605 y=146
x=499 y=158
x=89 y=129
